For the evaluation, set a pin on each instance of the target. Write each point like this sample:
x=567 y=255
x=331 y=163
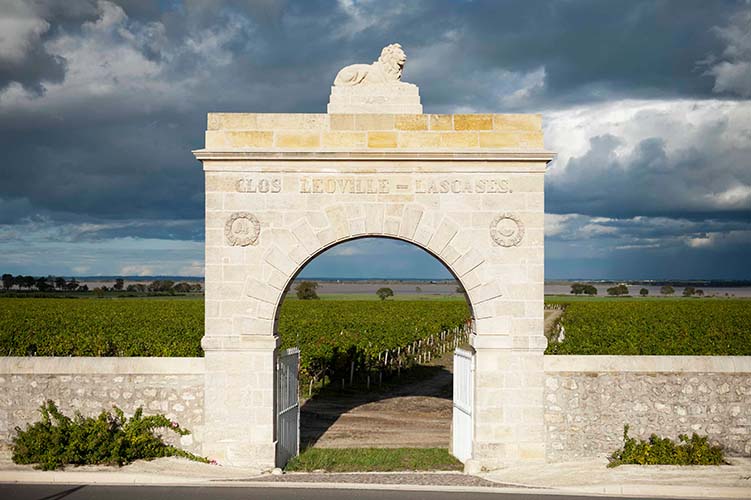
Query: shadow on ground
x=414 y=411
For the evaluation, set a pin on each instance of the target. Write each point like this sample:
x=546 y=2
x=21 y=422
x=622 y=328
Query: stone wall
x=588 y=399
x=171 y=386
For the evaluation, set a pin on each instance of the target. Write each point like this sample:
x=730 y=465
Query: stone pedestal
x=394 y=97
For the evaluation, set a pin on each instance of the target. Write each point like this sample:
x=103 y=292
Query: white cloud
x=528 y=85
x=346 y=251
x=716 y=239
x=733 y=73
x=365 y=14
x=651 y=157
x=195 y=268
x=735 y=197
x=121 y=66
x=556 y=224
x=20 y=29
x=136 y=270
x=682 y=124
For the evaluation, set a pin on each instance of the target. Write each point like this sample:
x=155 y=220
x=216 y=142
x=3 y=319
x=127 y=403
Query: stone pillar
x=509 y=344
x=239 y=404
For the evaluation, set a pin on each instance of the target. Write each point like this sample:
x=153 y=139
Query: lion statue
x=387 y=69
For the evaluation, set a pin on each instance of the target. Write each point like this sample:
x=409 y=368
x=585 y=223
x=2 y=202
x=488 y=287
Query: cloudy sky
x=648 y=104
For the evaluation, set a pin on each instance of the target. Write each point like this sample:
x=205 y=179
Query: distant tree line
x=43 y=284
x=57 y=283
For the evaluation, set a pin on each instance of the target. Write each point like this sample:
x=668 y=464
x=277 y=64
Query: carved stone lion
x=387 y=69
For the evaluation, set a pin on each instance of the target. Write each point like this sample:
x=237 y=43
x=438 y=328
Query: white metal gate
x=287 y=406
x=464 y=390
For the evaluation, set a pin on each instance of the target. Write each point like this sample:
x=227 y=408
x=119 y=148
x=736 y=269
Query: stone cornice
x=456 y=156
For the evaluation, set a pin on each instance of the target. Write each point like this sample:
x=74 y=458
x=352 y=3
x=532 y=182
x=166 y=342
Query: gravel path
x=412 y=478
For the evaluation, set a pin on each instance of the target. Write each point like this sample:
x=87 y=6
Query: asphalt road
x=71 y=492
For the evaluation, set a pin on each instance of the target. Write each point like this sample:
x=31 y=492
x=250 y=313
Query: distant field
x=374 y=297
x=555 y=299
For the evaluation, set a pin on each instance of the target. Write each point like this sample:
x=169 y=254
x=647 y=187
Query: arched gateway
x=281 y=188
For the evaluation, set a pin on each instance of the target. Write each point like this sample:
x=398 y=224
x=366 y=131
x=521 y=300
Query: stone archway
x=281 y=188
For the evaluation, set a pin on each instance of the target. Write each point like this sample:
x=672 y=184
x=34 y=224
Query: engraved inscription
x=262 y=185
x=242 y=229
x=507 y=230
x=346 y=185
x=463 y=186
x=354 y=185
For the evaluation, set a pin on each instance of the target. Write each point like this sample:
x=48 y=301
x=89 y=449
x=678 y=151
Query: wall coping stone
x=16 y=365
x=647 y=364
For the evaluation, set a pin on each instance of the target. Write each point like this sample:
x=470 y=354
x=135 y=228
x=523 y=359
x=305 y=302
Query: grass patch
x=373 y=460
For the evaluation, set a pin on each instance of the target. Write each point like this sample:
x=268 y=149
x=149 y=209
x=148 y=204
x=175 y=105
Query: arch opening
x=325 y=248
x=365 y=398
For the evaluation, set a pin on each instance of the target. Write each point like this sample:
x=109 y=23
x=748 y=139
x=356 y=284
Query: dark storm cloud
x=590 y=50
x=578 y=246
x=129 y=170
x=101 y=102
x=23 y=57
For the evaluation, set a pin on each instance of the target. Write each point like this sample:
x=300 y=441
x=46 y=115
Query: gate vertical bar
x=288 y=406
x=463 y=406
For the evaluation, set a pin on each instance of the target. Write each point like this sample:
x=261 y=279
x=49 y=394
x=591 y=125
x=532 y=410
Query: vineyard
x=92 y=327
x=339 y=337
x=661 y=327
x=341 y=340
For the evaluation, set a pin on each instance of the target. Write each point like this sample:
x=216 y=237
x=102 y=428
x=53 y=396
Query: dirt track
x=413 y=415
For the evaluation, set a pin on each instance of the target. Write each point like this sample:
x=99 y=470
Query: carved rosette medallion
x=507 y=230
x=242 y=229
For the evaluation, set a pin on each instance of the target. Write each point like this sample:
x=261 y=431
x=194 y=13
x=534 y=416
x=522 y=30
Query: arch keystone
x=357 y=226
x=374 y=219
